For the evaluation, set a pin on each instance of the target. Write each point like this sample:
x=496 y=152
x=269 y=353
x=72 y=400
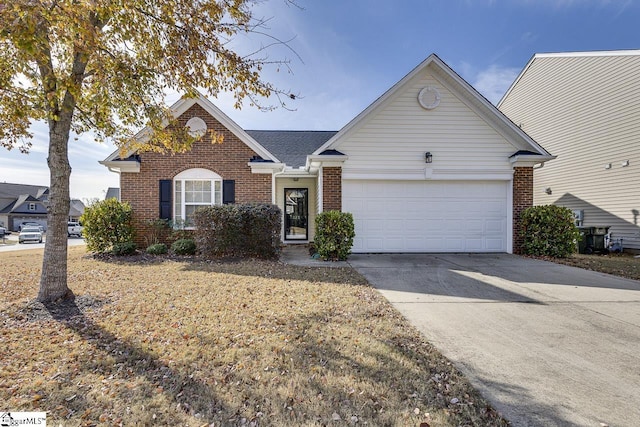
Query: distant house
x=28 y=203
x=112 y=193
x=430 y=166
x=584 y=108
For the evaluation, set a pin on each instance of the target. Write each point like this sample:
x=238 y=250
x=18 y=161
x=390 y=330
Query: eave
x=315 y=161
x=119 y=166
x=529 y=160
x=266 y=167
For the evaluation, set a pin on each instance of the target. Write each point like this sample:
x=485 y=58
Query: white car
x=74 y=229
x=30 y=234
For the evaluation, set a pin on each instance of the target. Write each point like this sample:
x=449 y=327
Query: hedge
x=239 y=230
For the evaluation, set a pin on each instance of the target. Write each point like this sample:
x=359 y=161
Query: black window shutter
x=228 y=191
x=165 y=199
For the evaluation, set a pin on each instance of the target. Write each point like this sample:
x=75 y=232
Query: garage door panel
x=415 y=244
x=493 y=226
x=494 y=245
x=454 y=244
x=428 y=216
x=474 y=226
x=473 y=245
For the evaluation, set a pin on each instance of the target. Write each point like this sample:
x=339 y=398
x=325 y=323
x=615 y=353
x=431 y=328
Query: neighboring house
x=112 y=193
x=430 y=166
x=584 y=108
x=28 y=203
x=76 y=209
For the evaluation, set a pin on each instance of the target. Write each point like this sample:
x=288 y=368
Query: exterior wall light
x=548 y=190
x=428 y=157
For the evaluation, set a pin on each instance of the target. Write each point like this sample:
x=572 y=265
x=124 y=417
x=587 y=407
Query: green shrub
x=157 y=249
x=157 y=231
x=124 y=248
x=107 y=224
x=180 y=234
x=245 y=230
x=184 y=247
x=334 y=235
x=549 y=231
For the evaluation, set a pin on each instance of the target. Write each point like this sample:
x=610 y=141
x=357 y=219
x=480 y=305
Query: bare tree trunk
x=53 y=281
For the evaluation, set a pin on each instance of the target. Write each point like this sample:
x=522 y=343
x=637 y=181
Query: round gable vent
x=429 y=98
x=197 y=127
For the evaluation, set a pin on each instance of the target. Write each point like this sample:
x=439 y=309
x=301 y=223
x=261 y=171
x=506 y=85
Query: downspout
x=273 y=198
x=319 y=193
x=273 y=184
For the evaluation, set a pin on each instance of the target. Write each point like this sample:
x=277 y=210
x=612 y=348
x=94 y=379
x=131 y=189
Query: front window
x=193 y=189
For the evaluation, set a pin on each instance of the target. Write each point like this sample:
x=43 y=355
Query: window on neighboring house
x=32 y=206
x=193 y=189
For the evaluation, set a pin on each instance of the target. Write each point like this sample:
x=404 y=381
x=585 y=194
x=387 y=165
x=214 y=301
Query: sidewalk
x=299 y=255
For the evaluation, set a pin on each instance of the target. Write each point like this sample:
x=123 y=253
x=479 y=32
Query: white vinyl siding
x=584 y=109
x=395 y=138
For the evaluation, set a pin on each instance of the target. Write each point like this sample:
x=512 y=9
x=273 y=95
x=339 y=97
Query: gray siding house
x=584 y=107
x=28 y=203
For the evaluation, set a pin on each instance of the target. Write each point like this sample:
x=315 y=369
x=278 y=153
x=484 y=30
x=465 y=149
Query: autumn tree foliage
x=104 y=66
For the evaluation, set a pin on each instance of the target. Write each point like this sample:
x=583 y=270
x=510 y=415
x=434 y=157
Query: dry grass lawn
x=159 y=341
x=623 y=265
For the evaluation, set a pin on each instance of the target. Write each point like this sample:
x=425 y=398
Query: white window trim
x=196 y=174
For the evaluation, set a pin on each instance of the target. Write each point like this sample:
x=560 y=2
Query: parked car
x=74 y=229
x=3 y=231
x=30 y=224
x=30 y=234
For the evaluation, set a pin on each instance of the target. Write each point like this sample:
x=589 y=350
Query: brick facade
x=229 y=160
x=332 y=189
x=522 y=199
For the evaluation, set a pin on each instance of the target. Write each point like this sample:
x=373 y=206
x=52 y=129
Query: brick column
x=332 y=189
x=522 y=199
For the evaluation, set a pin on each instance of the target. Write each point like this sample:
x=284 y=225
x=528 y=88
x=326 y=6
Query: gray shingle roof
x=15 y=190
x=291 y=146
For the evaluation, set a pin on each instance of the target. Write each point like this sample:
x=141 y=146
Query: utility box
x=592 y=240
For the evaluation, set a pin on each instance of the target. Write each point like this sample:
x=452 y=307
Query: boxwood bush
x=334 y=235
x=244 y=230
x=124 y=248
x=108 y=227
x=549 y=231
x=157 y=249
x=184 y=247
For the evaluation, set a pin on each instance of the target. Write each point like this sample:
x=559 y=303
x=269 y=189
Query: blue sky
x=352 y=51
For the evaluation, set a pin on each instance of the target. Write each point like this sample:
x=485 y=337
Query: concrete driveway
x=547 y=344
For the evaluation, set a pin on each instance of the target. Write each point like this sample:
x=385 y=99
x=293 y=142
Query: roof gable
x=461 y=89
x=181 y=106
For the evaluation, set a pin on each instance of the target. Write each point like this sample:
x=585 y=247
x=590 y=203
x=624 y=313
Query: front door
x=296 y=216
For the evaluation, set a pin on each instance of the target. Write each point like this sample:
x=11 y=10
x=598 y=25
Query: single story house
x=583 y=106
x=430 y=166
x=28 y=203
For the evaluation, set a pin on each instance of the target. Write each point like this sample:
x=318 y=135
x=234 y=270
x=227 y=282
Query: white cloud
x=494 y=81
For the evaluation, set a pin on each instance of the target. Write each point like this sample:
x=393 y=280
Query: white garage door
x=427 y=216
